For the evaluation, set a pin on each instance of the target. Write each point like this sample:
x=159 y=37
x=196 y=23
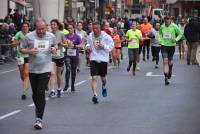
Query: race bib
x=133 y=42
x=167 y=35
x=96 y=42
x=71 y=52
x=41 y=45
x=20 y=61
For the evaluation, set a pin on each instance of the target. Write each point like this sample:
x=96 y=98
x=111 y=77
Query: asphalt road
x=139 y=104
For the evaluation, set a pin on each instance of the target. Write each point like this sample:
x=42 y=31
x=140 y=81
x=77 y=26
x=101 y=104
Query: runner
x=145 y=28
x=84 y=37
x=192 y=34
x=57 y=59
x=39 y=44
x=117 y=49
x=181 y=43
x=72 y=57
x=99 y=44
x=122 y=38
x=22 y=59
x=133 y=37
x=155 y=44
x=168 y=39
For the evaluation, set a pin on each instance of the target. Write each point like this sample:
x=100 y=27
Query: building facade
x=183 y=8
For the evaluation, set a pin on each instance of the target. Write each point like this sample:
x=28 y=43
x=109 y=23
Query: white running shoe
x=38 y=123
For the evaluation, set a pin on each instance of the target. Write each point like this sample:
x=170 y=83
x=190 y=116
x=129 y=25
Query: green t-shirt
x=134 y=36
x=169 y=33
x=20 y=36
x=66 y=32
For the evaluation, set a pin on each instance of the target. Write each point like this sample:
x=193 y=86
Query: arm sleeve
x=109 y=43
x=160 y=39
x=179 y=33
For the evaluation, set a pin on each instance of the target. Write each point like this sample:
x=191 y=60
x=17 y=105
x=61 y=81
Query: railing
x=7 y=53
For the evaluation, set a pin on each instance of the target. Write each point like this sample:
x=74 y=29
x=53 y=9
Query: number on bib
x=167 y=35
x=71 y=52
x=41 y=45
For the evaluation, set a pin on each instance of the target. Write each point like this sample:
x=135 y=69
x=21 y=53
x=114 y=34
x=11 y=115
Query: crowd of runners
x=51 y=50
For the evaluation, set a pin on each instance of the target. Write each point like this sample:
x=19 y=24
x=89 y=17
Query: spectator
x=192 y=34
x=17 y=19
x=12 y=30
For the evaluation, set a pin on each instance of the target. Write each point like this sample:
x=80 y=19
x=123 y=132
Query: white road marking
x=81 y=82
x=9 y=114
x=31 y=105
x=155 y=75
x=8 y=71
x=148 y=73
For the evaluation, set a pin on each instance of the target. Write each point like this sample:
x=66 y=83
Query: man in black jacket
x=192 y=35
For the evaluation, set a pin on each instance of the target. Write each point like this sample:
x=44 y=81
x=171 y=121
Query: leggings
x=155 y=53
x=71 y=66
x=133 y=56
x=146 y=44
x=39 y=82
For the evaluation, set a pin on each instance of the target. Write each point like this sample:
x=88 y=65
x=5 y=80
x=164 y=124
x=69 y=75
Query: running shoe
x=137 y=67
x=73 y=89
x=38 y=124
x=128 y=69
x=59 y=94
x=95 y=99
x=166 y=82
x=104 y=92
x=23 y=97
x=156 y=66
x=65 y=89
x=52 y=94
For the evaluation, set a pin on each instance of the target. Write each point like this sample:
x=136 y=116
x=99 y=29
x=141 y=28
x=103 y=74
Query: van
x=158 y=12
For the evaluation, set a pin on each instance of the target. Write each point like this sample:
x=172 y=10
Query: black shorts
x=81 y=51
x=26 y=60
x=167 y=52
x=98 y=68
x=59 y=62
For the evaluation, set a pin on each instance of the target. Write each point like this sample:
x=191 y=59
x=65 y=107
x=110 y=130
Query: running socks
x=170 y=71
